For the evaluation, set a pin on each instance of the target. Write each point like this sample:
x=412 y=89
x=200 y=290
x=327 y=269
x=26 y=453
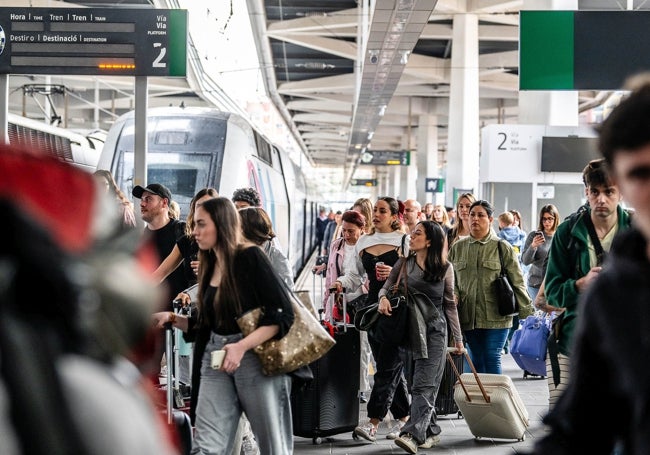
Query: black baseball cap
x=155 y=188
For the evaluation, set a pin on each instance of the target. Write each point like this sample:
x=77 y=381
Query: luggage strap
x=460 y=381
x=553 y=352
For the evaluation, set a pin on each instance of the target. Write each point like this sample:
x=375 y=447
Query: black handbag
x=506 y=301
x=393 y=329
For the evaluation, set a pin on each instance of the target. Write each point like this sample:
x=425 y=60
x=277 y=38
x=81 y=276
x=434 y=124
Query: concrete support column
x=408 y=174
x=545 y=107
x=427 y=156
x=396 y=173
x=463 y=148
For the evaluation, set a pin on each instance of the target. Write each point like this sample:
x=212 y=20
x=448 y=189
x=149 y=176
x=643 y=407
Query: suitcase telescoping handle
x=332 y=302
x=471 y=365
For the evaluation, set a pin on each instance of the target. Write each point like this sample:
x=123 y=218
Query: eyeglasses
x=548 y=218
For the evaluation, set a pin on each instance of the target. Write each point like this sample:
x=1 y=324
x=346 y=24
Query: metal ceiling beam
x=395 y=29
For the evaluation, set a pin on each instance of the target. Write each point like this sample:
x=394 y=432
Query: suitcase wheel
x=355 y=436
x=523 y=437
x=317 y=440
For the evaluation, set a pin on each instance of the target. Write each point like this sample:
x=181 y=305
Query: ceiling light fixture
x=382 y=110
x=404 y=57
x=374 y=56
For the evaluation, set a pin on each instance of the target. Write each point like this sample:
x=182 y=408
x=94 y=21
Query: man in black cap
x=154 y=208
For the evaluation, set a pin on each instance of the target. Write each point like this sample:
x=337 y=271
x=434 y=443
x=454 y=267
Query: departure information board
x=93 y=41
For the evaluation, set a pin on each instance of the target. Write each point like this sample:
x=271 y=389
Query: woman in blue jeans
x=476 y=267
x=235 y=276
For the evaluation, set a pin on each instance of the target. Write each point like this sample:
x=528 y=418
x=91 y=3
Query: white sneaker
x=429 y=442
x=407 y=443
x=367 y=431
x=396 y=427
x=249 y=446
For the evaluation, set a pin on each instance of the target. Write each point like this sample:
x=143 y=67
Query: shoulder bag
x=392 y=329
x=304 y=343
x=506 y=301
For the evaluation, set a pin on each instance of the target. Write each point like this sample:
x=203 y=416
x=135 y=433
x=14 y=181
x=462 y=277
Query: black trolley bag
x=329 y=404
x=445 y=403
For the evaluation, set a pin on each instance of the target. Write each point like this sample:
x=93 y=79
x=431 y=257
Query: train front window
x=183 y=173
x=182 y=154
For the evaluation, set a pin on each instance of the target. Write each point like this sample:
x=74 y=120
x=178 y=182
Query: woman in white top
x=376 y=254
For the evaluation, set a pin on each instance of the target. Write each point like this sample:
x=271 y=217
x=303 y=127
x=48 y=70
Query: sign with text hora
x=93 y=41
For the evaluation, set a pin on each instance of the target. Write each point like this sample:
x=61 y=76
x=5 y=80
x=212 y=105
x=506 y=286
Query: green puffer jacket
x=476 y=267
x=568 y=260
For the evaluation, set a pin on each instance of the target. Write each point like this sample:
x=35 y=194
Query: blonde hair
x=365 y=208
x=507 y=218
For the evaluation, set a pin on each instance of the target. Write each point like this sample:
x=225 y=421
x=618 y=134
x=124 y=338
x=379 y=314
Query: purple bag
x=528 y=344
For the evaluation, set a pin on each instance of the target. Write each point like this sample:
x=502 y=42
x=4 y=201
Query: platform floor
x=456 y=439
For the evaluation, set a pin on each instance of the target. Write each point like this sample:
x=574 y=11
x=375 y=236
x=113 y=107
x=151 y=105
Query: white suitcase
x=491 y=405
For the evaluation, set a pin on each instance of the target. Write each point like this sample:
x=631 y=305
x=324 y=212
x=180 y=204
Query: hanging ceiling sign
x=363 y=182
x=93 y=41
x=386 y=157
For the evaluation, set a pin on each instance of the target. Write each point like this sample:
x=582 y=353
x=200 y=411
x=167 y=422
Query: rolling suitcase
x=329 y=404
x=445 y=403
x=490 y=404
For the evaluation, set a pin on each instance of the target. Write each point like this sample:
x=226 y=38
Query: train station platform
x=456 y=437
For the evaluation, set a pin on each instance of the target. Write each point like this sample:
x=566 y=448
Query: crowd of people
x=449 y=257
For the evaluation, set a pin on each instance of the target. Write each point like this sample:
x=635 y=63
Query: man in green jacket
x=575 y=257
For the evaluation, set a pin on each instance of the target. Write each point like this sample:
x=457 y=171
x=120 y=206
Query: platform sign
x=434 y=185
x=363 y=182
x=93 y=41
x=386 y=157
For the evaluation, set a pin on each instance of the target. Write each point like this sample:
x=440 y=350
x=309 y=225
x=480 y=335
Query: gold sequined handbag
x=304 y=343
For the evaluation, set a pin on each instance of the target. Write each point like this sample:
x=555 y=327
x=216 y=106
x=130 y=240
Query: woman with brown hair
x=364 y=206
x=537 y=246
x=375 y=255
x=461 y=226
x=235 y=277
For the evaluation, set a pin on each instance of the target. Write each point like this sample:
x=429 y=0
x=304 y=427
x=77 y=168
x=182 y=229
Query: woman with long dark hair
x=375 y=255
x=235 y=277
x=429 y=274
x=186 y=250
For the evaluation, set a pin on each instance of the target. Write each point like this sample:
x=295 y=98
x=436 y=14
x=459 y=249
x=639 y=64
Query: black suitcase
x=329 y=404
x=445 y=403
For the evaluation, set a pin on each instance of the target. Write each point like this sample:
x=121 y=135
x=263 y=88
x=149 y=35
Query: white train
x=69 y=146
x=192 y=148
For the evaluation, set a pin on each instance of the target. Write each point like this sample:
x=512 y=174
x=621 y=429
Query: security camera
x=374 y=57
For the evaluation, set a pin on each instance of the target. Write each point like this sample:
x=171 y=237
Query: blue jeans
x=223 y=397
x=485 y=347
x=532 y=292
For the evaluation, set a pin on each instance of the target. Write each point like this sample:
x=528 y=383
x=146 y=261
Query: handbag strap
x=399 y=277
x=503 y=271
